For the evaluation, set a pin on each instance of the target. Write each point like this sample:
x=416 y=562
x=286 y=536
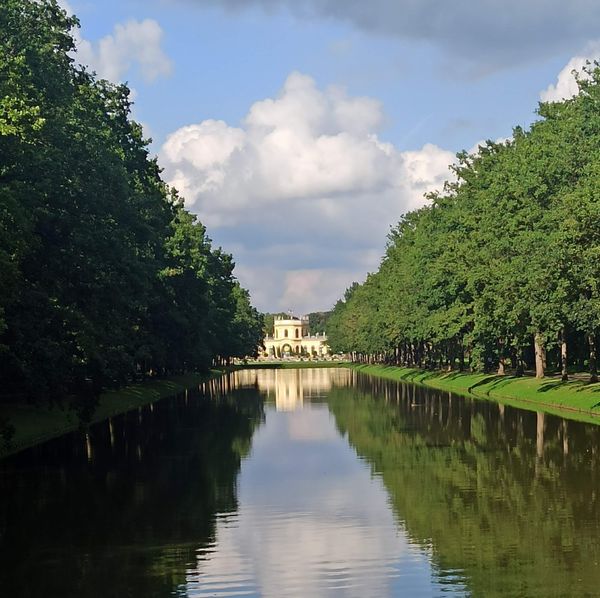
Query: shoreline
x=574 y=399
x=35 y=425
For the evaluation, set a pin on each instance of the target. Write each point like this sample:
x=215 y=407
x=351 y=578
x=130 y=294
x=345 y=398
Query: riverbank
x=574 y=399
x=34 y=425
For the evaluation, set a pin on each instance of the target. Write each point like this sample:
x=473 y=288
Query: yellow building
x=291 y=337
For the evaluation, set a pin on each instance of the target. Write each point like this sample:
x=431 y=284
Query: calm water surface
x=306 y=483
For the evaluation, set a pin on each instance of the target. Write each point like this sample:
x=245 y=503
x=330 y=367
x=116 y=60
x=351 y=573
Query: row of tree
x=502 y=268
x=104 y=275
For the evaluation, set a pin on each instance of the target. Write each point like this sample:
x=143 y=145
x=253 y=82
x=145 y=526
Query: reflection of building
x=289 y=388
x=292 y=337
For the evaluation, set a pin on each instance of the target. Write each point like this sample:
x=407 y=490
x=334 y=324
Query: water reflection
x=122 y=510
x=289 y=388
x=307 y=483
x=312 y=520
x=508 y=497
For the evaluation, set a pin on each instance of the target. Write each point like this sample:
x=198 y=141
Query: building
x=291 y=337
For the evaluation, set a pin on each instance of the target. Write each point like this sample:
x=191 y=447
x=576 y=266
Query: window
x=297 y=333
x=285 y=333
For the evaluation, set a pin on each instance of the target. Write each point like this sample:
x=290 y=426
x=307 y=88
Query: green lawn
x=35 y=424
x=576 y=399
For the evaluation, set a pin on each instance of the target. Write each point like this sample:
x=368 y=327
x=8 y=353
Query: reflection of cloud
x=312 y=521
x=299 y=555
x=309 y=425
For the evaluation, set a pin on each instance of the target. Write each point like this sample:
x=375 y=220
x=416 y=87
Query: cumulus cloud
x=134 y=44
x=303 y=191
x=479 y=31
x=304 y=145
x=566 y=83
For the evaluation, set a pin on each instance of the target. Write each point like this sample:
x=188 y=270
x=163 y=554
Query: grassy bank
x=34 y=424
x=575 y=399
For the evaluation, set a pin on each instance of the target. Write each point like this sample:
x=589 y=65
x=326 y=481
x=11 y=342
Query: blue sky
x=300 y=131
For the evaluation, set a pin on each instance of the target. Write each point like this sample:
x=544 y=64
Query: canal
x=311 y=482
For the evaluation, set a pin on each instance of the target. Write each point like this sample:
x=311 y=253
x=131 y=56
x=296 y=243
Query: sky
x=300 y=131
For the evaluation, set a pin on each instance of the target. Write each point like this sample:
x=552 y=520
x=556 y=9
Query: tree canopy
x=501 y=267
x=105 y=275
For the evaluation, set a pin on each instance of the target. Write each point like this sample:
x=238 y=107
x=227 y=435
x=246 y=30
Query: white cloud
x=303 y=188
x=134 y=44
x=566 y=84
x=309 y=287
x=66 y=7
x=306 y=143
x=474 y=149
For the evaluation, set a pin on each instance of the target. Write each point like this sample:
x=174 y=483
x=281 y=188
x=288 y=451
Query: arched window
x=285 y=333
x=297 y=333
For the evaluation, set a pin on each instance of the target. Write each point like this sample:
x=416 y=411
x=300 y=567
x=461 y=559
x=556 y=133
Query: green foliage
x=502 y=497
x=105 y=275
x=317 y=321
x=506 y=253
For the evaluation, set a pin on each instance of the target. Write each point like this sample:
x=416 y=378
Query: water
x=306 y=483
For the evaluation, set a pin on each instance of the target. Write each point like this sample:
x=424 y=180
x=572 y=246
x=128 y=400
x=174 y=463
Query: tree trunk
x=519 y=370
x=593 y=363
x=501 y=368
x=540 y=355
x=563 y=355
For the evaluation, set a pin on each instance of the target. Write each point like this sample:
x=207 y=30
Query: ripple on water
x=245 y=561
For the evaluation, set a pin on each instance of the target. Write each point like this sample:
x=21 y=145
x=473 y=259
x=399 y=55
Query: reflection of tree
x=494 y=493
x=128 y=522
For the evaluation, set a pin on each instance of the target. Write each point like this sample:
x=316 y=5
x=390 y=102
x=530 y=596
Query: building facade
x=292 y=338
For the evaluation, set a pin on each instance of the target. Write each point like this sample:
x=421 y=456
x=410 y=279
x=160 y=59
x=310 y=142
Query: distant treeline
x=104 y=275
x=502 y=268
